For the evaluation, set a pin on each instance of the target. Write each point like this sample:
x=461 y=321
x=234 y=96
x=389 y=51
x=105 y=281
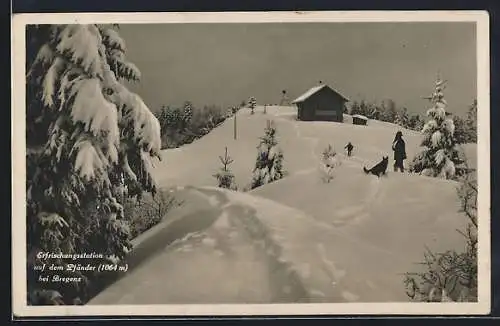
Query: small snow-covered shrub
x=329 y=161
x=144 y=212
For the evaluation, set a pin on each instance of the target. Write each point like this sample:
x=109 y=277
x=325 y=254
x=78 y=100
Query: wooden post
x=235 y=126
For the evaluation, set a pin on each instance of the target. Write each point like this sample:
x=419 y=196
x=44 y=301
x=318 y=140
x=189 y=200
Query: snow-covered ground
x=295 y=240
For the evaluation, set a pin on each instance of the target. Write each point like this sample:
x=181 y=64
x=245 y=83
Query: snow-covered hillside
x=302 y=144
x=297 y=239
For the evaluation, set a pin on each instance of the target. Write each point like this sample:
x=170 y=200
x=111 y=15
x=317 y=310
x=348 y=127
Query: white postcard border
x=20 y=307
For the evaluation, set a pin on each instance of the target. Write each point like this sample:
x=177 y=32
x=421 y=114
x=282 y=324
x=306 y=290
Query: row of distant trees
x=465 y=126
x=183 y=125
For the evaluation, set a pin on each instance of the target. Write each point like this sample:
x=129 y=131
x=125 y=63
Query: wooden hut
x=359 y=119
x=320 y=103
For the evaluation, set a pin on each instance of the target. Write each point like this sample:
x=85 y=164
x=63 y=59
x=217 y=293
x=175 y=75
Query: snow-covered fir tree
x=361 y=108
x=461 y=133
x=85 y=131
x=402 y=118
x=415 y=122
x=269 y=163
x=225 y=177
x=187 y=113
x=162 y=117
x=440 y=156
x=329 y=161
x=171 y=118
x=252 y=103
x=354 y=108
x=389 y=111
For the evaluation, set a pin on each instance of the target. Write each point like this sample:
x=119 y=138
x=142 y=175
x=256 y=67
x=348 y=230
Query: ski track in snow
x=334 y=272
x=286 y=285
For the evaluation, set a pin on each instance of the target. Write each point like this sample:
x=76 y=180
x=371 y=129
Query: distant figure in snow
x=349 y=148
x=398 y=146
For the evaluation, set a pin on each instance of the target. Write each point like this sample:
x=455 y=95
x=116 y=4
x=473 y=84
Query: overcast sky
x=224 y=64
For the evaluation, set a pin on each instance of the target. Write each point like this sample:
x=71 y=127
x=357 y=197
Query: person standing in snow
x=349 y=148
x=398 y=146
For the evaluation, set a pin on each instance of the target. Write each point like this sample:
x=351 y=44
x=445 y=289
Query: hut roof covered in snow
x=313 y=91
x=359 y=116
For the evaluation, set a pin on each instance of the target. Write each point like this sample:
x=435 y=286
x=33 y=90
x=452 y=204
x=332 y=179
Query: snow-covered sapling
x=329 y=161
x=225 y=177
x=269 y=162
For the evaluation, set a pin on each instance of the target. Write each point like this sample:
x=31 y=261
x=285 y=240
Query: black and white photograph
x=251 y=163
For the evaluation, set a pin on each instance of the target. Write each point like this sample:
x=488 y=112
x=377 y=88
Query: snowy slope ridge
x=297 y=239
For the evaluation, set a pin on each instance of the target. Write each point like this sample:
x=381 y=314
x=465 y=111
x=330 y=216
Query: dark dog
x=380 y=168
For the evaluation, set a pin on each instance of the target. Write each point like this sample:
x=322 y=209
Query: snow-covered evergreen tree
x=402 y=118
x=461 y=132
x=85 y=131
x=440 y=156
x=390 y=111
x=187 y=113
x=372 y=112
x=172 y=118
x=162 y=117
x=225 y=177
x=355 y=108
x=252 y=103
x=415 y=122
x=269 y=163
